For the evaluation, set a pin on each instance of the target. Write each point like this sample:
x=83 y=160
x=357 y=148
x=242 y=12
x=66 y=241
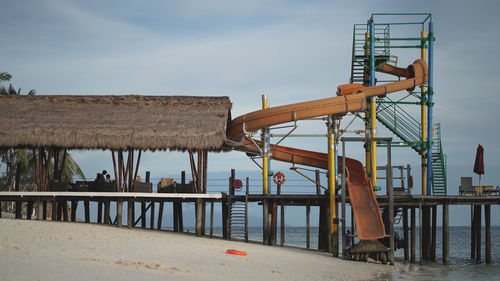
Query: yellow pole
x=423 y=116
x=265 y=158
x=373 y=150
x=331 y=182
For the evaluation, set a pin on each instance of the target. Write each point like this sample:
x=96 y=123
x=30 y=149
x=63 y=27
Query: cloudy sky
x=291 y=50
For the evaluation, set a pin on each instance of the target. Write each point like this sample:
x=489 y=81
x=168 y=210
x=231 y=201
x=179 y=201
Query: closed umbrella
x=479 y=163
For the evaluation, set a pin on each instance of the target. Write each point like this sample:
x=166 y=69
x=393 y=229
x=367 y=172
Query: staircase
x=238 y=215
x=390 y=113
x=438 y=165
x=360 y=52
x=401 y=123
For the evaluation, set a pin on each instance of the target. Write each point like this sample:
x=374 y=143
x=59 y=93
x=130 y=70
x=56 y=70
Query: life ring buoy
x=237 y=184
x=279 y=178
x=235 y=252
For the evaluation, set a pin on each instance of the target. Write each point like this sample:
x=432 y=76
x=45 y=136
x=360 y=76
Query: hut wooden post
x=487 y=234
x=19 y=203
x=446 y=236
x=119 y=212
x=413 y=234
x=117 y=184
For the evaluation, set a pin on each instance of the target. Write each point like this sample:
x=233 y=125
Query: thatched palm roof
x=114 y=122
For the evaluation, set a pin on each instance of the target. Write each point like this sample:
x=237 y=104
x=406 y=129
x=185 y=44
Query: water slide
x=350 y=98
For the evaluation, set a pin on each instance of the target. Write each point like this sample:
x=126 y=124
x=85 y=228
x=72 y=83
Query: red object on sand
x=236 y=252
x=479 y=163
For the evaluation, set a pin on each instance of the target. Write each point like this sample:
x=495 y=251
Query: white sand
x=42 y=250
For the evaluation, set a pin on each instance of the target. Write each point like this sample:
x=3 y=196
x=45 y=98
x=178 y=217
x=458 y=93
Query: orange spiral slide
x=350 y=98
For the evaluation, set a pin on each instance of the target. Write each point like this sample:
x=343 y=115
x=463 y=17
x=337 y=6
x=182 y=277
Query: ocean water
x=461 y=266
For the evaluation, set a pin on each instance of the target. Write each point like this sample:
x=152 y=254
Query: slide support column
x=430 y=92
x=373 y=108
x=423 y=113
x=331 y=189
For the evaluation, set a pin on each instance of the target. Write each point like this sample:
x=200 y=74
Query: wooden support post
x=265 y=222
x=446 y=236
x=152 y=215
x=59 y=210
x=74 y=205
x=44 y=215
x=282 y=224
x=487 y=234
x=86 y=205
x=143 y=214
x=321 y=227
x=224 y=209
x=390 y=193
x=420 y=233
x=405 y=235
x=413 y=252
x=274 y=222
x=181 y=220
x=308 y=225
x=477 y=212
x=160 y=214
x=54 y=210
x=106 y=211
x=211 y=218
x=198 y=207
x=119 y=212
x=1 y=209
x=426 y=231
x=318 y=185
x=472 y=232
x=433 y=238
x=175 y=213
x=40 y=210
x=99 y=212
x=130 y=213
x=29 y=210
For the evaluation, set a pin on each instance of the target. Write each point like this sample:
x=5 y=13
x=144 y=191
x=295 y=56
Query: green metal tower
x=393 y=111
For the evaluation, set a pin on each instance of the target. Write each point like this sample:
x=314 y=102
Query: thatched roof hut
x=114 y=122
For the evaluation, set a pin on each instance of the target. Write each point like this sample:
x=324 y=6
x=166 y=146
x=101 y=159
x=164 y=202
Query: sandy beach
x=44 y=250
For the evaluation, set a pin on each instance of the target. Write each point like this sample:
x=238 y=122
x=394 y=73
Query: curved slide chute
x=369 y=224
x=350 y=98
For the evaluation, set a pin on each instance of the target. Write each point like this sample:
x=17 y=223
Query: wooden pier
x=407 y=204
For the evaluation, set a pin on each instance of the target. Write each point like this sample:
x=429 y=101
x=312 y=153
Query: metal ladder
x=438 y=165
x=238 y=216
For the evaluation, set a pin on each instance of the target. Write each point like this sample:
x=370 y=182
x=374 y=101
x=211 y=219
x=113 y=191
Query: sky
x=290 y=50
